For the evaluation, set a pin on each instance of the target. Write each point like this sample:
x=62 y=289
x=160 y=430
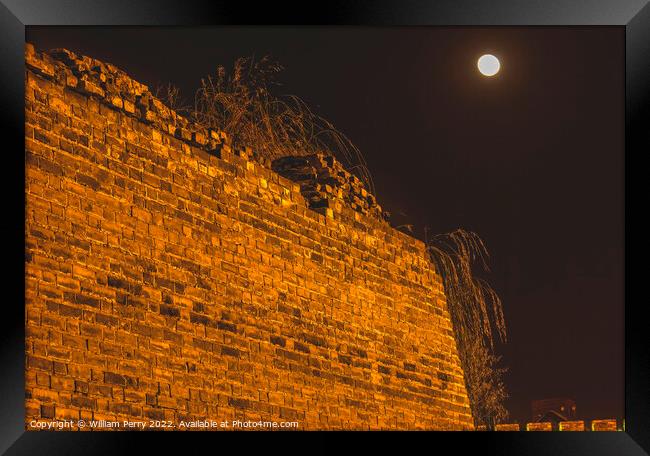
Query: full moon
x=488 y=65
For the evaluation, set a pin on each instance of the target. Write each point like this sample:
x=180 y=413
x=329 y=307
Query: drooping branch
x=477 y=316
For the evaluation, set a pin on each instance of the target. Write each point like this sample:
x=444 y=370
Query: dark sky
x=532 y=160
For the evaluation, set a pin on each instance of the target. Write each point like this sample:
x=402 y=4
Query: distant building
x=553 y=410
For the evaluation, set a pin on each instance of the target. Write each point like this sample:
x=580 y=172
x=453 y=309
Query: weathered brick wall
x=168 y=276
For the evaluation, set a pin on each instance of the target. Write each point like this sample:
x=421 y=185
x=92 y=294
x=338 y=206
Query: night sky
x=531 y=160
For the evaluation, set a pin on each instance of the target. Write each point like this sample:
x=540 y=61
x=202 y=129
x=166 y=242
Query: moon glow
x=488 y=65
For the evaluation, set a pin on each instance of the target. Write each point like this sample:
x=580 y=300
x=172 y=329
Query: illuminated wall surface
x=172 y=277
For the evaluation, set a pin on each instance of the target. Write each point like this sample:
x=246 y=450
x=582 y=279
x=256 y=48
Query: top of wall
x=327 y=187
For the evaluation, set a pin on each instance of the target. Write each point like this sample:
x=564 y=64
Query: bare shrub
x=477 y=315
x=242 y=103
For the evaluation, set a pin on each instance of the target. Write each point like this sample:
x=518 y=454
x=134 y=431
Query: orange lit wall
x=170 y=276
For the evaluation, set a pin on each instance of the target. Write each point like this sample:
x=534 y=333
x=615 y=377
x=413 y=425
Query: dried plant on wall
x=242 y=103
x=477 y=315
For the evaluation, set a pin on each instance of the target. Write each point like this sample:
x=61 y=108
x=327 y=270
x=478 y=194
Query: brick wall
x=170 y=276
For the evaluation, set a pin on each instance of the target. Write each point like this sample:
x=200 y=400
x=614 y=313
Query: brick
x=301 y=347
x=83 y=402
x=229 y=351
x=154 y=414
x=48 y=411
x=115 y=379
x=169 y=311
x=239 y=403
x=278 y=341
x=39 y=363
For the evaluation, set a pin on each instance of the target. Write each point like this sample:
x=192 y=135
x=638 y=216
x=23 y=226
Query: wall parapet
x=326 y=184
x=106 y=83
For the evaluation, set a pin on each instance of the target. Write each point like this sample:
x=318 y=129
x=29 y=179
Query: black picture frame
x=15 y=15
